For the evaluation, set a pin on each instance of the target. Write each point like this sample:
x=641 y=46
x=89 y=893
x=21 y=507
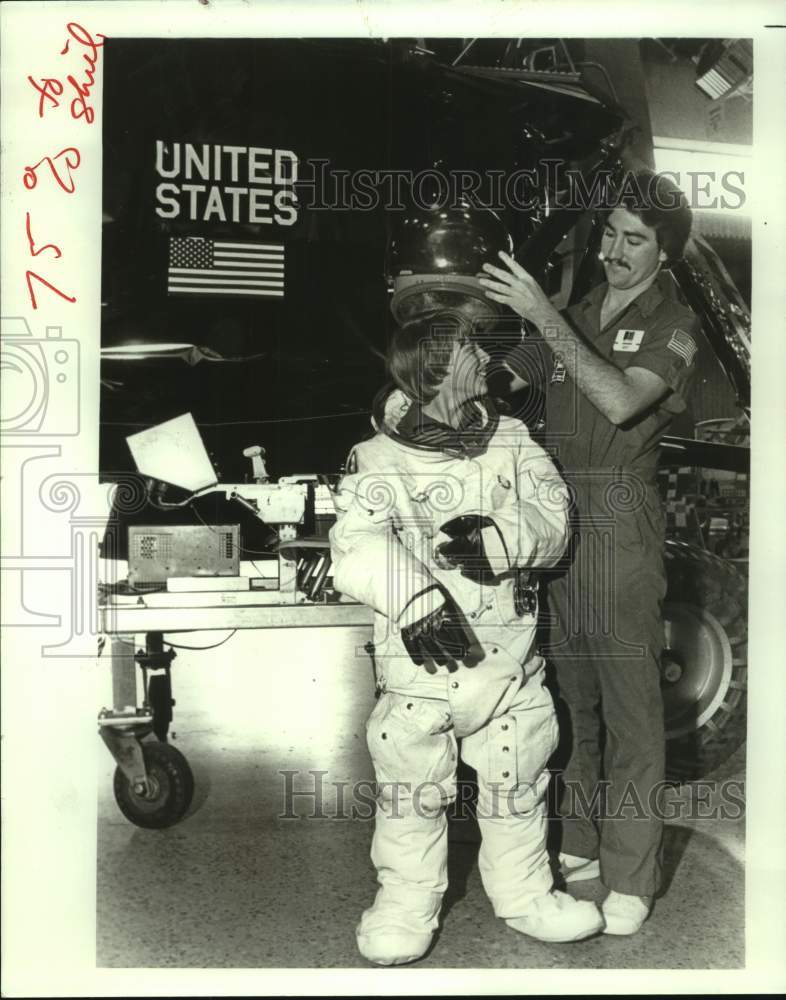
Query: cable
x=262 y=575
x=259 y=552
x=203 y=521
x=247 y=423
x=160 y=504
x=215 y=645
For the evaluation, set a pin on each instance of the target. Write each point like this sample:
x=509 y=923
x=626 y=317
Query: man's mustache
x=612 y=260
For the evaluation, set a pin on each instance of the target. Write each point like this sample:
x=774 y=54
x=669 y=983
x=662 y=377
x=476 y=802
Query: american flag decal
x=683 y=344
x=201 y=266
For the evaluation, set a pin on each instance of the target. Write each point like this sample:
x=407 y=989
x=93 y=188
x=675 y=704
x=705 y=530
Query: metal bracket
x=122 y=735
x=155 y=657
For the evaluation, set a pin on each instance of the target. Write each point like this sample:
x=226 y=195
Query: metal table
x=153 y=782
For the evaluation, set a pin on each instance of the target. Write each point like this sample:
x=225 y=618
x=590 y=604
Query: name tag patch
x=628 y=340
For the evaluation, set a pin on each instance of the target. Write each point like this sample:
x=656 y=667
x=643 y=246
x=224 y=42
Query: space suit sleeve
x=370 y=564
x=532 y=528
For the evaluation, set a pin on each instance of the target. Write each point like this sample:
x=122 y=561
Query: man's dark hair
x=419 y=353
x=660 y=204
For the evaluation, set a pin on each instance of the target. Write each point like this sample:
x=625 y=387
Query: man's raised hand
x=516 y=288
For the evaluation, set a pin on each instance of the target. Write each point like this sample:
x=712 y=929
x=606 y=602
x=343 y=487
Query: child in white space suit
x=440 y=517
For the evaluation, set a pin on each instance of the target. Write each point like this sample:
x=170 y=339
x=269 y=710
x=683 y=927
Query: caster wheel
x=171 y=789
x=160 y=695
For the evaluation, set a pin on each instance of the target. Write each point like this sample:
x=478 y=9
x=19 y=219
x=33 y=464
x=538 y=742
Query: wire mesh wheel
x=704 y=665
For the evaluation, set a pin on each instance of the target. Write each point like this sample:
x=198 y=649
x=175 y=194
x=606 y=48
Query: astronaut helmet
x=435 y=257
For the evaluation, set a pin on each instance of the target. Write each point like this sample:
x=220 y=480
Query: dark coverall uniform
x=606 y=603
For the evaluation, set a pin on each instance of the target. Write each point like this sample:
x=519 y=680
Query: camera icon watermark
x=40 y=381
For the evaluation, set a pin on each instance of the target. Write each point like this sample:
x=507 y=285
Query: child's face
x=467 y=373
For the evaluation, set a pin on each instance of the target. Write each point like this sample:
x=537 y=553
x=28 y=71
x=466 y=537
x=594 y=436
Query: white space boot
x=556 y=916
x=410 y=854
x=398 y=928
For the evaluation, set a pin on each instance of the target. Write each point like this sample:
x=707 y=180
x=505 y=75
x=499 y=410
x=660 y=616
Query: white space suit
x=392 y=502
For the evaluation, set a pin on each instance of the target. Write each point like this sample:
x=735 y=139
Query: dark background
x=309 y=364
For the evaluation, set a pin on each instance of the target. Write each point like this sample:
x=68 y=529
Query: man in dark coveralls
x=622 y=362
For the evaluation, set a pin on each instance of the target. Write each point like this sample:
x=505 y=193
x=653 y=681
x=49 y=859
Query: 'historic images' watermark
x=313 y=795
x=321 y=188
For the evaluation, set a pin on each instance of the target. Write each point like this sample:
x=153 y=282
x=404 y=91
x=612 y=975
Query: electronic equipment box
x=158 y=552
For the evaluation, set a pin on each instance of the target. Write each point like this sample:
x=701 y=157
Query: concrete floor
x=235 y=885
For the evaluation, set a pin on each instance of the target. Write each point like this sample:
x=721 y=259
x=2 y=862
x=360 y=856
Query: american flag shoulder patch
x=684 y=345
x=202 y=266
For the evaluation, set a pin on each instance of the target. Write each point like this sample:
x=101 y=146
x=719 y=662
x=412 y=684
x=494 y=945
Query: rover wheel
x=704 y=664
x=171 y=788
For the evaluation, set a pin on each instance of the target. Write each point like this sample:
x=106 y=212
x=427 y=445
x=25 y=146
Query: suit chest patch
x=628 y=340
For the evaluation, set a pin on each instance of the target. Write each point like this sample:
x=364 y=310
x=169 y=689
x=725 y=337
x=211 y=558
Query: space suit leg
x=413 y=749
x=510 y=755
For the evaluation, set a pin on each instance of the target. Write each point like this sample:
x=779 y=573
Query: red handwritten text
x=79 y=106
x=50 y=88
x=32 y=274
x=31 y=242
x=29 y=275
x=72 y=161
